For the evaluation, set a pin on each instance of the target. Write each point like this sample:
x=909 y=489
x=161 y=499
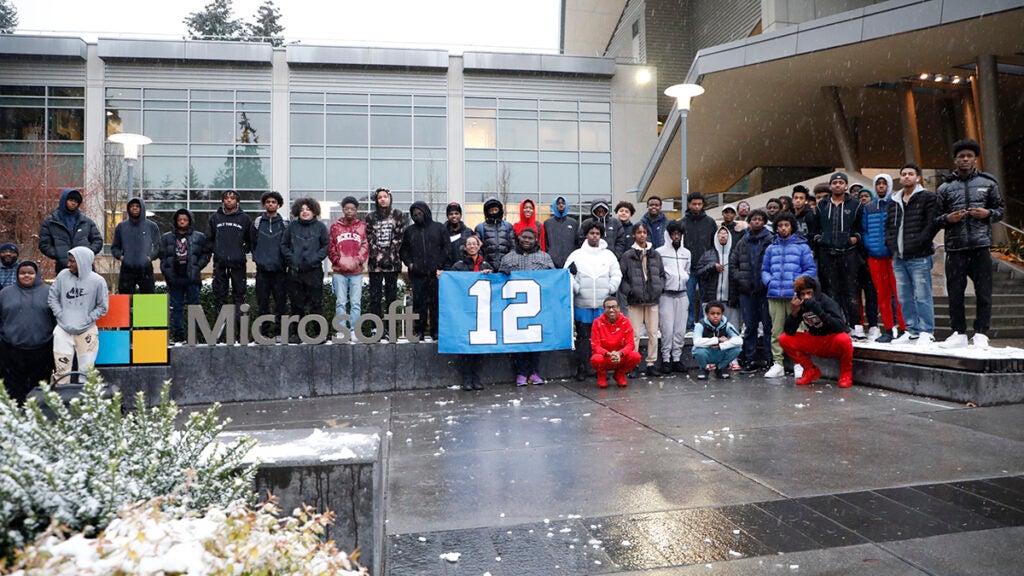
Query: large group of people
x=804 y=276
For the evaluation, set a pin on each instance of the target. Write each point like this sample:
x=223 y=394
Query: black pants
x=223 y=275
x=424 y=304
x=526 y=363
x=866 y=285
x=469 y=367
x=136 y=280
x=382 y=284
x=975 y=264
x=840 y=271
x=23 y=368
x=272 y=284
x=583 y=331
x=306 y=290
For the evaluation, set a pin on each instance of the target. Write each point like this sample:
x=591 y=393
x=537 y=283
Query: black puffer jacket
x=821 y=314
x=698 y=232
x=425 y=244
x=194 y=250
x=496 y=233
x=634 y=287
x=745 y=263
x=267 y=235
x=305 y=244
x=55 y=240
x=916 y=216
x=978 y=190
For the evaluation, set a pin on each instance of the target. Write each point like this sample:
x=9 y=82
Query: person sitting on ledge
x=826 y=334
x=611 y=341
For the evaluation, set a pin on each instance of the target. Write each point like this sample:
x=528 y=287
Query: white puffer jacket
x=597 y=275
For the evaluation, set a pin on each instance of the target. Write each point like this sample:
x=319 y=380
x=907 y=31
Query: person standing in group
x=183 y=255
x=745 y=273
x=67 y=227
x=787 y=258
x=471 y=261
x=348 y=250
x=8 y=265
x=712 y=270
x=304 y=248
x=716 y=342
x=699 y=231
x=674 y=304
x=528 y=219
x=271 y=272
x=969 y=204
x=78 y=298
x=910 y=226
x=425 y=253
x=599 y=213
x=729 y=221
x=643 y=280
x=873 y=230
x=806 y=218
x=229 y=239
x=456 y=230
x=613 y=345
x=495 y=232
x=624 y=211
x=136 y=244
x=840 y=217
x=560 y=232
x=743 y=211
x=527 y=256
x=826 y=334
x=384 y=229
x=595 y=276
x=656 y=222
x=26 y=332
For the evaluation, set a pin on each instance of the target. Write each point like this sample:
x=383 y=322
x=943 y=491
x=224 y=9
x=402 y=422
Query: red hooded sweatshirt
x=523 y=224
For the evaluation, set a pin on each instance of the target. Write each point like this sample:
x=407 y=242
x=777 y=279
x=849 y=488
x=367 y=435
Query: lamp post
x=683 y=93
x=131 y=144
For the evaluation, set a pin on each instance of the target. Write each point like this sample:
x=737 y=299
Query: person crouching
x=716 y=342
x=612 y=345
x=826 y=334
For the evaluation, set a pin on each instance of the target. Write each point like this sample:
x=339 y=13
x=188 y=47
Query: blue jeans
x=720 y=358
x=691 y=293
x=755 y=311
x=348 y=289
x=180 y=295
x=914 y=291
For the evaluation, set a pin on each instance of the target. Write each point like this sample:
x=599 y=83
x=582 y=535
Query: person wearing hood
x=613 y=231
x=561 y=232
x=825 y=334
x=77 y=298
x=528 y=219
x=495 y=232
x=656 y=222
x=674 y=304
x=909 y=230
x=26 y=332
x=595 y=276
x=729 y=221
x=67 y=227
x=712 y=270
x=840 y=217
x=643 y=281
x=385 y=226
x=348 y=251
x=744 y=271
x=527 y=256
x=136 y=244
x=471 y=261
x=786 y=259
x=304 y=248
x=880 y=258
x=8 y=265
x=425 y=253
x=271 y=273
x=969 y=204
x=183 y=255
x=699 y=231
x=457 y=231
x=229 y=239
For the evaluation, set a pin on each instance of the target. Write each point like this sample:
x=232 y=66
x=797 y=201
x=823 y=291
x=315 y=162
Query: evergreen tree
x=9 y=17
x=214 y=22
x=267 y=27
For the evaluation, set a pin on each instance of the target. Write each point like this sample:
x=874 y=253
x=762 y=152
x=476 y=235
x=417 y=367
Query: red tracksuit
x=608 y=337
x=826 y=336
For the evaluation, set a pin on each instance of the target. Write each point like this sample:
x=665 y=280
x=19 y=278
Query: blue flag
x=517 y=312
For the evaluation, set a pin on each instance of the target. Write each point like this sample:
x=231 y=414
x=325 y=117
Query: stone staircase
x=1007 y=304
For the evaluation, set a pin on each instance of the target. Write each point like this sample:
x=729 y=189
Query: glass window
x=558 y=105
x=595 y=136
x=307 y=129
x=596 y=179
x=307 y=173
x=522 y=176
x=22 y=123
x=518 y=114
x=65 y=102
x=349 y=130
x=165 y=126
x=393 y=110
x=160 y=172
x=481 y=154
x=430 y=111
x=480 y=113
x=211 y=172
x=519 y=104
x=252 y=172
x=405 y=153
x=166 y=105
x=559 y=179
x=23 y=90
x=211 y=150
x=157 y=149
x=218 y=95
x=391 y=100
x=596 y=157
x=307 y=97
x=128 y=93
x=430 y=101
x=346 y=152
x=559 y=157
x=518 y=155
x=124 y=121
x=212 y=127
x=393 y=174
x=253 y=127
x=558 y=135
x=306 y=107
x=595 y=107
x=481 y=176
x=348 y=174
x=431 y=153
x=253 y=96
x=390 y=131
x=430 y=131
x=596 y=117
x=558 y=116
x=67 y=124
x=348 y=109
x=481 y=103
x=159 y=94
x=254 y=106
x=346 y=99
x=431 y=175
x=480 y=133
x=520 y=134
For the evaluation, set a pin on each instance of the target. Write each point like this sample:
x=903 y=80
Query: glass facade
x=520 y=148
x=204 y=142
x=44 y=122
x=347 y=144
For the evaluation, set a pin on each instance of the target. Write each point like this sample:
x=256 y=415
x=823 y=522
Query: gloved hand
x=572 y=269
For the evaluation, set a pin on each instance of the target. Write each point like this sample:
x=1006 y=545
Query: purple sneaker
x=536 y=379
x=520 y=380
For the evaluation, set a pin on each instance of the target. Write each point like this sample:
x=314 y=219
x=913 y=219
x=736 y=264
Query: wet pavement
x=677 y=476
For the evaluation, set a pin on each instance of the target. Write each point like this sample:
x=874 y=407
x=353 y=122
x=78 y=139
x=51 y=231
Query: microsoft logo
x=134 y=330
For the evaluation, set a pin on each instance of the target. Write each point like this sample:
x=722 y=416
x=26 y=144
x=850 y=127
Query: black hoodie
x=496 y=234
x=821 y=315
x=136 y=240
x=229 y=237
x=425 y=243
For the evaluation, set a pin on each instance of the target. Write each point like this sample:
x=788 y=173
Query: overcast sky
x=510 y=24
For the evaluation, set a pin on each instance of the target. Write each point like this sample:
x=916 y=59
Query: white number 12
x=510 y=316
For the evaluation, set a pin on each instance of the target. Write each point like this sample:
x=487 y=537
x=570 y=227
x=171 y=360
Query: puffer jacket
x=305 y=244
x=597 y=275
x=194 y=252
x=699 y=231
x=55 y=239
x=532 y=259
x=634 y=287
x=614 y=233
x=785 y=260
x=495 y=233
x=911 y=224
x=745 y=263
x=978 y=190
x=425 y=245
x=561 y=233
x=677 y=264
x=873 y=221
x=839 y=224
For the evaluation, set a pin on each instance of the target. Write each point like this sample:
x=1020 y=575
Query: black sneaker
x=885 y=338
x=652 y=371
x=703 y=375
x=722 y=374
x=679 y=367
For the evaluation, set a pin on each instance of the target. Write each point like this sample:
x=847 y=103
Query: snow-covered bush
x=78 y=468
x=153 y=538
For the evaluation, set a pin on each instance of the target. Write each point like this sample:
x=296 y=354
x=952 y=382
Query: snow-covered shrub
x=153 y=539
x=83 y=465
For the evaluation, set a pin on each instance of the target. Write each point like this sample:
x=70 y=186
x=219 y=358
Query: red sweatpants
x=885 y=285
x=802 y=345
x=629 y=361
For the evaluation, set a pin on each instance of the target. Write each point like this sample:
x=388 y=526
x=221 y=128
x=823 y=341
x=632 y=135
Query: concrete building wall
x=778 y=14
x=621 y=44
x=635 y=133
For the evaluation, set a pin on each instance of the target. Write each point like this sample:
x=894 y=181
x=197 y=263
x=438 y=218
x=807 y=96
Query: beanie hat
x=839 y=176
x=452 y=207
x=9 y=246
x=966 y=144
x=349 y=200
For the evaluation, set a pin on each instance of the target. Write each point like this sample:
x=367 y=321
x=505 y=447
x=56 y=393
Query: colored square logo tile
x=118 y=309
x=115 y=347
x=149 y=347
x=149 y=311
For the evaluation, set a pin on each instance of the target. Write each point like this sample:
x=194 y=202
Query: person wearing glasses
x=612 y=345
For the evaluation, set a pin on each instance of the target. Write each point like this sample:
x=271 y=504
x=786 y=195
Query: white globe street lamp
x=683 y=93
x=131 y=144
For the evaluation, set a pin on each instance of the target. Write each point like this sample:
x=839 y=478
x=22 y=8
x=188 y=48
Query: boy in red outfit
x=826 y=334
x=611 y=340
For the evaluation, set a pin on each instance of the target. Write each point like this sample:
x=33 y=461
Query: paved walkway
x=675 y=476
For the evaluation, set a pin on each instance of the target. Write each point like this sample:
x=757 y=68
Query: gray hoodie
x=26 y=321
x=78 y=301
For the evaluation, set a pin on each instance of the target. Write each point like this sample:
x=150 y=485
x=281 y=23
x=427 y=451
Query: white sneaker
x=798 y=371
x=858 y=332
x=955 y=340
x=926 y=339
x=775 y=371
x=904 y=338
x=874 y=333
x=980 y=341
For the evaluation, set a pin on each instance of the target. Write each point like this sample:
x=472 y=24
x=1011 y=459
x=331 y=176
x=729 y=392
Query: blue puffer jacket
x=785 y=260
x=872 y=224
